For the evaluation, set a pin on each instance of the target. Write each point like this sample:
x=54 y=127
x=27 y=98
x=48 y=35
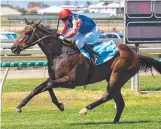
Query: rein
x=70 y=43
x=41 y=39
x=65 y=42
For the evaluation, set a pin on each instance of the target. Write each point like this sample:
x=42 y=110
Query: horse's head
x=26 y=38
x=36 y=33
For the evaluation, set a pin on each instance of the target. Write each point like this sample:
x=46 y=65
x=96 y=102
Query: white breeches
x=81 y=39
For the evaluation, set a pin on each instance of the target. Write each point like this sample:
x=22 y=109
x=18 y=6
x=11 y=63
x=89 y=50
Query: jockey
x=80 y=28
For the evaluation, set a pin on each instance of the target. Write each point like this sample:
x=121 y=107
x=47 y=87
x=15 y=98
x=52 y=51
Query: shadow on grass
x=105 y=122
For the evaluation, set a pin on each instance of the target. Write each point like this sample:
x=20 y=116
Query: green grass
x=148 y=83
x=145 y=83
x=141 y=111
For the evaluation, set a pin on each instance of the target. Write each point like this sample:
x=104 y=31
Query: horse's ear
x=38 y=23
x=27 y=22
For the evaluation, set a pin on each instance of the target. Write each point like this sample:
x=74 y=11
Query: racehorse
x=68 y=68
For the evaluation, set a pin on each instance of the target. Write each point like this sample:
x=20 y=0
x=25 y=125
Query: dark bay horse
x=68 y=68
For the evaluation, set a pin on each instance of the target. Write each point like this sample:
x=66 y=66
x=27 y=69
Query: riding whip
x=57 y=26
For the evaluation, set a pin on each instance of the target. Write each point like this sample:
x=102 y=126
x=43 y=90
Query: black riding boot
x=92 y=53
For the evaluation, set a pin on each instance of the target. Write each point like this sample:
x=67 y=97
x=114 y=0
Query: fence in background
x=153 y=51
x=105 y=25
x=23 y=64
x=18 y=64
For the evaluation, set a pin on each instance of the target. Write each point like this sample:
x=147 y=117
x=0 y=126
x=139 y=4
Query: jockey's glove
x=61 y=37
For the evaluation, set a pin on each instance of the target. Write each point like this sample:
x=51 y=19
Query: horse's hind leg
x=119 y=76
x=113 y=92
x=106 y=97
x=119 y=104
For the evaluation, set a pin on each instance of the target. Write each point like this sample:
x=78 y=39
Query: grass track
x=141 y=111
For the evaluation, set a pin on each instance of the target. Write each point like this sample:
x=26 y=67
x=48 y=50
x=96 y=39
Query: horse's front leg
x=48 y=85
x=36 y=91
x=55 y=101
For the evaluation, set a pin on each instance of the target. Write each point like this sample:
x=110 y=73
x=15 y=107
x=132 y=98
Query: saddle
x=97 y=53
x=105 y=51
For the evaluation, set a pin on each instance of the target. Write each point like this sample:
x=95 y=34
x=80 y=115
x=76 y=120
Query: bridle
x=39 y=40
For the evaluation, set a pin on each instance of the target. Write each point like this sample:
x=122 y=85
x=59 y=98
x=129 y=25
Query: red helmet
x=65 y=13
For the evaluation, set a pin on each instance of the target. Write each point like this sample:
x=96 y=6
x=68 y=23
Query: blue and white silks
x=105 y=50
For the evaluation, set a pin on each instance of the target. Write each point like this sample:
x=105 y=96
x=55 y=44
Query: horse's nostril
x=14 y=48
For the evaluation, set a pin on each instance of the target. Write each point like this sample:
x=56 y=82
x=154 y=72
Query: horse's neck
x=48 y=55
x=56 y=48
x=47 y=45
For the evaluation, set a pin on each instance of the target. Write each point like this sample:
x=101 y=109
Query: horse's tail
x=147 y=63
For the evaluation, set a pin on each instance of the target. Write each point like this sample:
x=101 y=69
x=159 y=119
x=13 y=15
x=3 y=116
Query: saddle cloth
x=105 y=50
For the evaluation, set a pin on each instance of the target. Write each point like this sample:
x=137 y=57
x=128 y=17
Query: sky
x=23 y=3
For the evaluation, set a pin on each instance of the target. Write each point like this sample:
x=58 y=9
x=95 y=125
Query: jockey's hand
x=61 y=37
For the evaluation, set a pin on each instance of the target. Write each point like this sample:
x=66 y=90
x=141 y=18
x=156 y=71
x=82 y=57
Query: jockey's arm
x=65 y=30
x=76 y=25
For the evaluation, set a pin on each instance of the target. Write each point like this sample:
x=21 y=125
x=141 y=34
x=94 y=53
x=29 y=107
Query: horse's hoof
x=116 y=121
x=61 y=107
x=18 y=110
x=83 y=111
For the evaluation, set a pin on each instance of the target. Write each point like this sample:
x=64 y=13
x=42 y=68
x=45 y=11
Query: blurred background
x=108 y=14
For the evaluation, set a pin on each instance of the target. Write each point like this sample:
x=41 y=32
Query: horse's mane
x=48 y=29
